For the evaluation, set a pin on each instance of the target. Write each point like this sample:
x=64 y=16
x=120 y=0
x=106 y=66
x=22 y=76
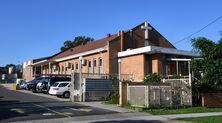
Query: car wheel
x=66 y=94
x=33 y=90
x=38 y=90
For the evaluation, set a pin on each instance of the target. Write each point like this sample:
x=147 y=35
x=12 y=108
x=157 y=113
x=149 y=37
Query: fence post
x=128 y=92
x=84 y=90
x=120 y=83
x=148 y=96
x=181 y=93
x=171 y=96
x=159 y=96
x=72 y=87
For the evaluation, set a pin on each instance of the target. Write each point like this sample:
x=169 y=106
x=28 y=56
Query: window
x=94 y=66
x=100 y=65
x=63 y=84
x=55 y=84
x=89 y=63
x=77 y=66
x=94 y=63
x=62 y=69
x=100 y=62
x=72 y=66
x=59 y=79
x=89 y=66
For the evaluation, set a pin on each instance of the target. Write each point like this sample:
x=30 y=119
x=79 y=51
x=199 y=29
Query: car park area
x=24 y=105
x=56 y=85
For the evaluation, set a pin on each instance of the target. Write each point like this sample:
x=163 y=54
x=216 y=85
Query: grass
x=210 y=119
x=184 y=110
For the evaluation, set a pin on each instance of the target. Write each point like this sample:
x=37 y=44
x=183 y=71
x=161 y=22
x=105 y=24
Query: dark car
x=31 y=85
x=44 y=84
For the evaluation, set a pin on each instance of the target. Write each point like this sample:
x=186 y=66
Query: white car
x=60 y=89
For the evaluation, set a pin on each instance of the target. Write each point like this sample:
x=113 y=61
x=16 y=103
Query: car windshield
x=55 y=84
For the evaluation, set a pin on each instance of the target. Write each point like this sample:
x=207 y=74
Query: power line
x=198 y=30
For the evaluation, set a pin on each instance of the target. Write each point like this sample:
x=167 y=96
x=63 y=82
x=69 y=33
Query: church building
x=138 y=51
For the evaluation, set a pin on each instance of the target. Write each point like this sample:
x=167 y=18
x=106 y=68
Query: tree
x=210 y=64
x=76 y=42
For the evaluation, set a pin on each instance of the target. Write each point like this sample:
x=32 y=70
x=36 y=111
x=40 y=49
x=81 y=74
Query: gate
x=94 y=87
x=150 y=95
x=97 y=89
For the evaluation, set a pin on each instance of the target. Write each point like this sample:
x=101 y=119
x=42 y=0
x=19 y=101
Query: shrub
x=152 y=78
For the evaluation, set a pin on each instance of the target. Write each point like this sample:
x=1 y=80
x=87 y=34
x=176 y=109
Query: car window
x=38 y=80
x=55 y=84
x=63 y=84
x=58 y=79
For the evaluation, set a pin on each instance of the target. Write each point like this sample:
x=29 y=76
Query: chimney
x=108 y=35
x=119 y=32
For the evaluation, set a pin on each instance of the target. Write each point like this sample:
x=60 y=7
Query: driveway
x=19 y=106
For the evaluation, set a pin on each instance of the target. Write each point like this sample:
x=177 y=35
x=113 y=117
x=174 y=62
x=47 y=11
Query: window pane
x=72 y=66
x=76 y=65
x=55 y=84
x=94 y=63
x=89 y=64
x=100 y=62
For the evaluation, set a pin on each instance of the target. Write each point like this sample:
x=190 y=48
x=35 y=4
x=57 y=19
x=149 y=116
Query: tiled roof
x=83 y=48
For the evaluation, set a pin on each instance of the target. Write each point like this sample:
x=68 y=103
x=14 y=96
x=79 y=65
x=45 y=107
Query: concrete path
x=108 y=107
x=7 y=86
x=190 y=115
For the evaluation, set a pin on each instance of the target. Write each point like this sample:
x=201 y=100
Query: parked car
x=60 y=89
x=23 y=85
x=31 y=85
x=44 y=85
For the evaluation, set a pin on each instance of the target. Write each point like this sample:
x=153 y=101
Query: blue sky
x=32 y=29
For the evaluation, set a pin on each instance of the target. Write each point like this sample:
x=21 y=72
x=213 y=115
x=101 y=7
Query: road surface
x=18 y=106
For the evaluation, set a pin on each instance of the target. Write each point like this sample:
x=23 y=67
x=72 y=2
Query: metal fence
x=8 y=78
x=176 y=93
x=93 y=87
x=149 y=95
x=181 y=91
x=98 y=89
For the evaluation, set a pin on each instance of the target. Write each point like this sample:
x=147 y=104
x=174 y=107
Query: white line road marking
x=18 y=110
x=67 y=113
x=48 y=114
x=59 y=113
x=81 y=109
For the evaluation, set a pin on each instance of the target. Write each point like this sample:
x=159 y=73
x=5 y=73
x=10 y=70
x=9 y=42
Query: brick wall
x=133 y=65
x=97 y=56
x=157 y=63
x=113 y=48
x=136 y=36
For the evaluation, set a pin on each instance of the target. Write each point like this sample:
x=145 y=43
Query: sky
x=31 y=29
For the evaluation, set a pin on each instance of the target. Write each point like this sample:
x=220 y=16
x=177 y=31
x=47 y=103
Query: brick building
x=139 y=51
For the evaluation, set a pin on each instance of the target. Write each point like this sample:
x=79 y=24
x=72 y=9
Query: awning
x=155 y=49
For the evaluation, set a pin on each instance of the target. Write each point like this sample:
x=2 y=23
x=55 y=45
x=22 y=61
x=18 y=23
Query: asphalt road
x=18 y=106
